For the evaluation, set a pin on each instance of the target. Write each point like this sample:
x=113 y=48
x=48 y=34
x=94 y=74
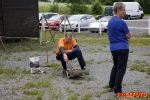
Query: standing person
x=68 y=49
x=118 y=34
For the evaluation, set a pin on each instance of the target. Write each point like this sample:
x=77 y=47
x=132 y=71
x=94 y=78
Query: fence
x=78 y=28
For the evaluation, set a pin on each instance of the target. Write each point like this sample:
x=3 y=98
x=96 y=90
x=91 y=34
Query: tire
x=128 y=17
x=141 y=16
x=105 y=30
x=57 y=27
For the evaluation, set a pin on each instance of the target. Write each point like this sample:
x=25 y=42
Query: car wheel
x=91 y=31
x=141 y=16
x=129 y=17
x=105 y=30
x=57 y=27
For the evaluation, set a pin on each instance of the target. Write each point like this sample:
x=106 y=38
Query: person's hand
x=68 y=51
x=65 y=57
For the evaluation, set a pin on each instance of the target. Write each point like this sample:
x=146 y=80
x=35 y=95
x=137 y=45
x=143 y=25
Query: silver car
x=95 y=26
x=84 y=19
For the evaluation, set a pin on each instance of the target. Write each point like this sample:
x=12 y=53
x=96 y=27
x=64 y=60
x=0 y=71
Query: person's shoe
x=83 y=68
x=64 y=73
x=110 y=89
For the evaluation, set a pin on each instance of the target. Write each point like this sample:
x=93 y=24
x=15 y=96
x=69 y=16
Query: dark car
x=108 y=11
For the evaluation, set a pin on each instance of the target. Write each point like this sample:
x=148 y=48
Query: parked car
x=133 y=10
x=54 y=21
x=108 y=11
x=98 y=17
x=47 y=14
x=94 y=27
x=84 y=19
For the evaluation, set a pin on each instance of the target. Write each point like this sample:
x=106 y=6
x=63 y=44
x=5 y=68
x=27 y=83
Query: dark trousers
x=72 y=56
x=120 y=58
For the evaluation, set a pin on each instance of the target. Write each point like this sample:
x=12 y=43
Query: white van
x=133 y=10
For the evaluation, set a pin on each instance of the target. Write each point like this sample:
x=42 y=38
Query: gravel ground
x=100 y=67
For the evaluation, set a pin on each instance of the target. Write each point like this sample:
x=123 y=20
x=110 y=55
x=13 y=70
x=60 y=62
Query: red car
x=54 y=21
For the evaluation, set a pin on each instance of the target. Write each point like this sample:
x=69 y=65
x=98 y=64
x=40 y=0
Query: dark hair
x=68 y=34
x=118 y=5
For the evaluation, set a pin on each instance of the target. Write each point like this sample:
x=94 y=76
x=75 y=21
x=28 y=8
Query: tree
x=54 y=7
x=77 y=6
x=97 y=8
x=108 y=2
x=145 y=4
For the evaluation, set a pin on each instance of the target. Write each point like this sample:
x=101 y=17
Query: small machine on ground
x=73 y=72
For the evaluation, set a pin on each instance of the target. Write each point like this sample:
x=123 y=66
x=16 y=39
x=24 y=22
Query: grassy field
x=46 y=7
x=33 y=44
x=62 y=7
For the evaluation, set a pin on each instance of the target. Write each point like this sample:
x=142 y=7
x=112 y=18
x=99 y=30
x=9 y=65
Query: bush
x=76 y=8
x=97 y=8
x=54 y=7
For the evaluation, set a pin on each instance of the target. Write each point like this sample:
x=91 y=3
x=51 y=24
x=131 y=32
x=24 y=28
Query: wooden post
x=2 y=44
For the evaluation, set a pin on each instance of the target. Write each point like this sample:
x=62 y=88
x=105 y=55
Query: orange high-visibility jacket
x=67 y=46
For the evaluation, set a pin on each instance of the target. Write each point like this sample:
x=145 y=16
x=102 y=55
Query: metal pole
x=65 y=24
x=79 y=26
x=42 y=28
x=100 y=27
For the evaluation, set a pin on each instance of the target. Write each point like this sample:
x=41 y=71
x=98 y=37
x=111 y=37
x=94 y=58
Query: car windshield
x=106 y=18
x=75 y=17
x=55 y=18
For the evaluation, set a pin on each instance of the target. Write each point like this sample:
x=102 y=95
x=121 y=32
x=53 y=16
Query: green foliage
x=87 y=97
x=98 y=94
x=97 y=8
x=55 y=66
x=145 y=5
x=54 y=7
x=78 y=7
x=148 y=71
x=108 y=2
x=48 y=7
x=73 y=97
x=31 y=92
x=37 y=84
x=25 y=71
x=8 y=71
x=54 y=93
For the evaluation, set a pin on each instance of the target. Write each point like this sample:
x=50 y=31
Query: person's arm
x=62 y=50
x=129 y=35
x=75 y=48
x=126 y=30
x=65 y=57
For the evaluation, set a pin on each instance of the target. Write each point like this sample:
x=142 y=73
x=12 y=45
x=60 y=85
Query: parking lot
x=136 y=26
x=139 y=23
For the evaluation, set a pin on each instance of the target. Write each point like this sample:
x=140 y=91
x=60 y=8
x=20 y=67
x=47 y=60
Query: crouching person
x=67 y=49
